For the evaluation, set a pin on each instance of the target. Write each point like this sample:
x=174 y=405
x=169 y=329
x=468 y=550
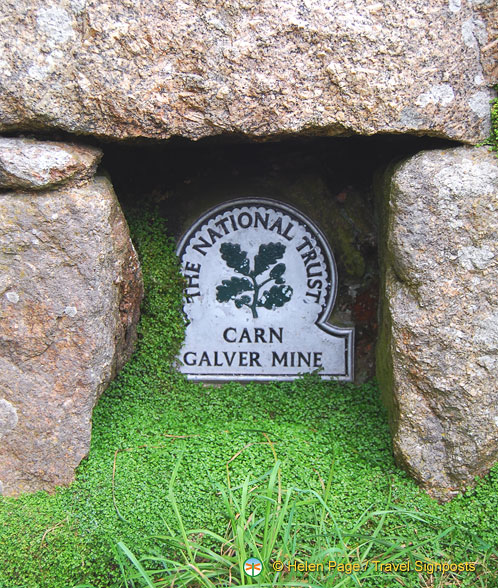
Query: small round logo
x=253 y=566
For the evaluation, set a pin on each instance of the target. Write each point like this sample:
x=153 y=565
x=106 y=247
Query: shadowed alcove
x=331 y=180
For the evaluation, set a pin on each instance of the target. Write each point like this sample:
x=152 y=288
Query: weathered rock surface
x=258 y=67
x=70 y=290
x=438 y=349
x=37 y=165
x=487 y=13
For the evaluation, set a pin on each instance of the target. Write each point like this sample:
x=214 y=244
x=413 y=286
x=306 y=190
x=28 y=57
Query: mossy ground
x=150 y=414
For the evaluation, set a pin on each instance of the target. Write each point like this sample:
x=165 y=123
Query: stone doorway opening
x=414 y=245
x=329 y=179
x=422 y=254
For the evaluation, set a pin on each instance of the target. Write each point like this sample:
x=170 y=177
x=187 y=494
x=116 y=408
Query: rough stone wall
x=70 y=292
x=70 y=285
x=438 y=350
x=121 y=69
x=487 y=13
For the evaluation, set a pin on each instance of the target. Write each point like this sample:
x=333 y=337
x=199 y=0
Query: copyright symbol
x=278 y=566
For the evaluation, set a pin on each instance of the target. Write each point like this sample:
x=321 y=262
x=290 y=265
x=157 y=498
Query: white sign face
x=261 y=281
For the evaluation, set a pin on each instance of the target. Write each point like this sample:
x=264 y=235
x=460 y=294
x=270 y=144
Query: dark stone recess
x=328 y=179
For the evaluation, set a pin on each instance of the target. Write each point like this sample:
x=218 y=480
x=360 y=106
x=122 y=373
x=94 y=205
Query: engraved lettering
x=205 y=359
x=254 y=359
x=244 y=224
x=306 y=243
x=278 y=336
x=223 y=223
x=186 y=359
x=254 y=268
x=277 y=225
x=230 y=359
x=258 y=219
x=202 y=245
x=276 y=360
x=225 y=334
x=259 y=336
x=285 y=234
x=214 y=235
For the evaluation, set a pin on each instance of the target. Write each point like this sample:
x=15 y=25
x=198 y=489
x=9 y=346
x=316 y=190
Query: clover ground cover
x=324 y=435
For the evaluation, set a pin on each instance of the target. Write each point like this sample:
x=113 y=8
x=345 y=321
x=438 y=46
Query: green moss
x=346 y=247
x=151 y=414
x=384 y=367
x=345 y=224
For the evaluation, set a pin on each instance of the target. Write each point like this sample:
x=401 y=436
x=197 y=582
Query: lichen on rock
x=69 y=306
x=258 y=68
x=42 y=165
x=438 y=344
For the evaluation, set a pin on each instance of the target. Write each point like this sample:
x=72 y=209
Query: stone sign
x=261 y=282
